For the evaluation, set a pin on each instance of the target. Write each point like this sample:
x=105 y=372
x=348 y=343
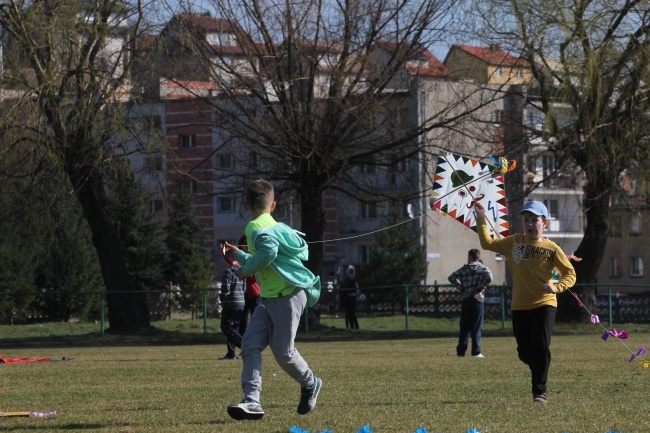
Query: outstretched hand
x=231 y=250
x=479 y=209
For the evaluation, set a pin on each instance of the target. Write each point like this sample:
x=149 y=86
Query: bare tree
x=319 y=96
x=66 y=64
x=590 y=60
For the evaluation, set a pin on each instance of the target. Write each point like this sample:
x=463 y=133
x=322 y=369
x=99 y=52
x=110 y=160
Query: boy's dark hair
x=474 y=254
x=259 y=194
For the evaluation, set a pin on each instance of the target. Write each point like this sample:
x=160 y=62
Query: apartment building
x=188 y=86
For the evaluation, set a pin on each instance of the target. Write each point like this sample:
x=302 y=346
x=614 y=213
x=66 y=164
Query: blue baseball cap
x=535 y=207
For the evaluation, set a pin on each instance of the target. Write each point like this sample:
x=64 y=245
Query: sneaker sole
x=240 y=414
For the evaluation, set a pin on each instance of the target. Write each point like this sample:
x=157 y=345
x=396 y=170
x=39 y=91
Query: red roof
x=492 y=55
x=435 y=68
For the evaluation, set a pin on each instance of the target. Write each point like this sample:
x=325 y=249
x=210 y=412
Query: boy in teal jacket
x=287 y=287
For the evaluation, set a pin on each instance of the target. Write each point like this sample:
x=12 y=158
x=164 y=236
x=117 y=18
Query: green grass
x=392 y=385
x=192 y=331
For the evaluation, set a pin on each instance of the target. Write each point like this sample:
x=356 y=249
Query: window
x=530 y=117
x=636 y=266
x=615 y=267
x=223 y=62
x=153 y=122
x=499 y=116
x=226 y=161
x=154 y=163
x=225 y=204
x=636 y=222
x=368 y=168
x=363 y=251
x=368 y=211
x=549 y=165
x=553 y=208
x=187 y=141
x=397 y=167
x=498 y=72
x=155 y=206
x=615 y=226
x=519 y=73
x=220 y=39
x=329 y=60
x=189 y=187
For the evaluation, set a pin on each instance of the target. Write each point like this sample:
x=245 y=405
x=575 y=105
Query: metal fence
x=438 y=300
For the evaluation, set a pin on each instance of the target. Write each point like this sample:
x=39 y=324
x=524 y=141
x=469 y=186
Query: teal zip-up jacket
x=280 y=248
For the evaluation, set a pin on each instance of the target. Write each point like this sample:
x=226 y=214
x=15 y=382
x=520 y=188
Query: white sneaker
x=480 y=355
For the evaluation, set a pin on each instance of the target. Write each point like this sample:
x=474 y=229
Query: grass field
x=391 y=385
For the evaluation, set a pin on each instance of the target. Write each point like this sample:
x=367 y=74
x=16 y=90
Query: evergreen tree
x=140 y=232
x=397 y=258
x=46 y=248
x=189 y=265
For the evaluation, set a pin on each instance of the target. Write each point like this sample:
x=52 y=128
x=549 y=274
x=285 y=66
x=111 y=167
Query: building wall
x=623 y=243
x=467 y=66
x=191 y=166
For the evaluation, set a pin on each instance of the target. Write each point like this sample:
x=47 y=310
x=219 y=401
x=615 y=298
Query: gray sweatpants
x=274 y=323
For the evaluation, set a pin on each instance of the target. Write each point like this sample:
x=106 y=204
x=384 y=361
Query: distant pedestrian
x=349 y=294
x=471 y=279
x=232 y=301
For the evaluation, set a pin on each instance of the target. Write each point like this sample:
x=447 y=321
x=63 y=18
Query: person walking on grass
x=287 y=287
x=232 y=301
x=534 y=303
x=471 y=279
x=350 y=289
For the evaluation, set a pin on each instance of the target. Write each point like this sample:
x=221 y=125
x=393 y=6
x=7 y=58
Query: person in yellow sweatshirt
x=534 y=304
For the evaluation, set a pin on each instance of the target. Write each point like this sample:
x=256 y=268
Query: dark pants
x=533 y=330
x=249 y=308
x=230 y=320
x=471 y=324
x=351 y=312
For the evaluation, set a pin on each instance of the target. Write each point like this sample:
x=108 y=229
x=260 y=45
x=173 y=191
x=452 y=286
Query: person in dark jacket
x=349 y=291
x=232 y=301
x=471 y=279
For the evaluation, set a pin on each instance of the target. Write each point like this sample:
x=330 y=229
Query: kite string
x=369 y=233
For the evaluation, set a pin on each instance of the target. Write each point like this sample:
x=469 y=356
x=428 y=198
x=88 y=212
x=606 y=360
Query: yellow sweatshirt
x=531 y=264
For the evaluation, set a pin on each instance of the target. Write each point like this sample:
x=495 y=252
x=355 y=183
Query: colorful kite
x=459 y=182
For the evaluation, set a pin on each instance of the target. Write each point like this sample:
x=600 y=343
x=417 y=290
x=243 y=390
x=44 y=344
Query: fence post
x=205 y=311
x=609 y=303
x=406 y=306
x=436 y=297
x=102 y=295
x=503 y=306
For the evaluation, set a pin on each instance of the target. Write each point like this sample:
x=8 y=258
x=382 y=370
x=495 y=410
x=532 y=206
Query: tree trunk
x=590 y=250
x=312 y=216
x=126 y=311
